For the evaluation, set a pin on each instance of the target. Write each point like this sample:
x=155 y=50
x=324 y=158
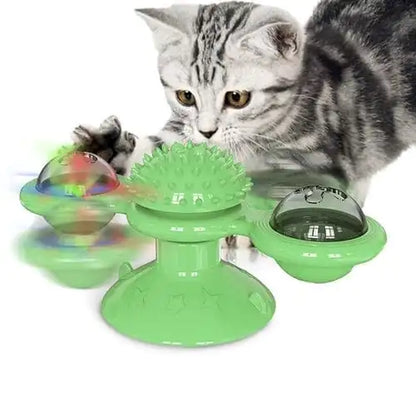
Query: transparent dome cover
x=320 y=214
x=76 y=175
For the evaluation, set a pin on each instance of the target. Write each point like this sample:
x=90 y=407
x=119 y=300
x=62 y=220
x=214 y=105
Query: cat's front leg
x=120 y=148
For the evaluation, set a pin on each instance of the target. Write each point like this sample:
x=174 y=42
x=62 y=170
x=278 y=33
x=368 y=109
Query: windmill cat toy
x=188 y=296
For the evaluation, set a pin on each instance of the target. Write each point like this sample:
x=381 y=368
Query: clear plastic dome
x=76 y=175
x=320 y=214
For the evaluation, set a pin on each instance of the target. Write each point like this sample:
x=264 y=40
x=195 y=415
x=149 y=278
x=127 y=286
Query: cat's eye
x=237 y=99
x=185 y=97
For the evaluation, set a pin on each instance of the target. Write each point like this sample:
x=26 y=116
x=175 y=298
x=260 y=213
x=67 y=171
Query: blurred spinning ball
x=77 y=174
x=320 y=214
x=73 y=178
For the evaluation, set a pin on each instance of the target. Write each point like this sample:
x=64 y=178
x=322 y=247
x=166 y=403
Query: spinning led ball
x=319 y=234
x=76 y=194
x=74 y=179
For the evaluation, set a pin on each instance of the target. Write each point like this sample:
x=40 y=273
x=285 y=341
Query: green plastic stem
x=186 y=259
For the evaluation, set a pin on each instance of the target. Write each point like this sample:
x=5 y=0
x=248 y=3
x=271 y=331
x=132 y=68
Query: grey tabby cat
x=338 y=97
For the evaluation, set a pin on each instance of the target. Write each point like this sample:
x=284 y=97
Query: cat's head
x=229 y=69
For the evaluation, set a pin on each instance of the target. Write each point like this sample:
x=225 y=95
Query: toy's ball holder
x=318 y=234
x=77 y=194
x=188 y=296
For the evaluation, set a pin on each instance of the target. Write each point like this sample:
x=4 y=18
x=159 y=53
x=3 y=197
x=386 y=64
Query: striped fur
x=337 y=97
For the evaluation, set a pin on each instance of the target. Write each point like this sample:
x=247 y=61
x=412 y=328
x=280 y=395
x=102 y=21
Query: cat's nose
x=208 y=134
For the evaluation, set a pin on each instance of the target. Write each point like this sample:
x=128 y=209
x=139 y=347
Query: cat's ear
x=170 y=25
x=270 y=30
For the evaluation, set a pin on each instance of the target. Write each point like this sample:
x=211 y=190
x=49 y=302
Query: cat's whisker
x=251 y=138
x=304 y=96
x=254 y=143
x=259 y=138
x=262 y=136
x=249 y=149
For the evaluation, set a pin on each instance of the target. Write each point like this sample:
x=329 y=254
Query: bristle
x=197 y=171
x=189 y=169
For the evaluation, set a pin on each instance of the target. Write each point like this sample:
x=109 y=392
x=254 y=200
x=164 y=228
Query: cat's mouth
x=193 y=134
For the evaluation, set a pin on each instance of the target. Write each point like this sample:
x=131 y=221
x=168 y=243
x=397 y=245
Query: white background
x=346 y=348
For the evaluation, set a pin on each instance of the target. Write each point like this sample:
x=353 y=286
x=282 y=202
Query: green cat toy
x=188 y=296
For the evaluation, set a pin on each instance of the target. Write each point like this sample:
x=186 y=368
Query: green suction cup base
x=218 y=305
x=315 y=274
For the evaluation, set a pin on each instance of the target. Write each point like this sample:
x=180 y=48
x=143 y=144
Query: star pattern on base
x=210 y=300
x=141 y=295
x=176 y=303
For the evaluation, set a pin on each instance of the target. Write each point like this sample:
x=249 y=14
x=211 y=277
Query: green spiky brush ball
x=190 y=178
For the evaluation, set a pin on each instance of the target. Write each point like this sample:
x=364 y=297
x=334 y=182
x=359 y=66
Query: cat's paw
x=231 y=244
x=236 y=241
x=108 y=141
